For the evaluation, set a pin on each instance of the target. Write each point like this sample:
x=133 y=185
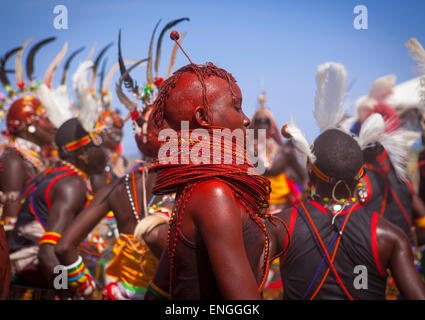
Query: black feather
x=100 y=55
x=68 y=63
x=168 y=26
x=102 y=74
x=128 y=81
x=3 y=77
x=30 y=58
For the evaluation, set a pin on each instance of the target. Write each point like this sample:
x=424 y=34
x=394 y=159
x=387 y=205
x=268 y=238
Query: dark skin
x=68 y=196
x=113 y=137
x=213 y=217
x=112 y=197
x=395 y=252
x=15 y=171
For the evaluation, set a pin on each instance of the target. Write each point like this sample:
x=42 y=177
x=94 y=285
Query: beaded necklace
x=252 y=191
x=75 y=169
x=29 y=152
x=133 y=201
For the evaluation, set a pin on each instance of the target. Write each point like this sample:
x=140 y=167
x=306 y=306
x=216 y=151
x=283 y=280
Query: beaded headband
x=324 y=177
x=94 y=136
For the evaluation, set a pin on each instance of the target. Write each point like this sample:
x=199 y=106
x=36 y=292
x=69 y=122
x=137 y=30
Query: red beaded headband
x=326 y=178
x=93 y=136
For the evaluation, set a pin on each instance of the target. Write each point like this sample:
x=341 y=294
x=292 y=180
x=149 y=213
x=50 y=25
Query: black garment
x=388 y=195
x=35 y=206
x=357 y=252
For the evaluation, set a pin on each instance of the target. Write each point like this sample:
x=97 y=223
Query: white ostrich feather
x=398 y=145
x=345 y=124
x=418 y=54
x=299 y=140
x=90 y=109
x=371 y=130
x=56 y=103
x=331 y=80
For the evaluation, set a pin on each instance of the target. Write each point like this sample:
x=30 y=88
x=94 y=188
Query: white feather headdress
x=90 y=108
x=397 y=143
x=331 y=79
x=55 y=101
x=418 y=54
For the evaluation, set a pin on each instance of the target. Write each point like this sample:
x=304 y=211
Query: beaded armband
x=157 y=292
x=420 y=222
x=9 y=196
x=49 y=238
x=9 y=223
x=77 y=273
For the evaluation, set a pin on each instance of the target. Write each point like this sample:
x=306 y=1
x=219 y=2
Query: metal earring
x=31 y=129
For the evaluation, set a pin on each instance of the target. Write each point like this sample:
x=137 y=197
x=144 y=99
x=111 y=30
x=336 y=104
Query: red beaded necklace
x=252 y=191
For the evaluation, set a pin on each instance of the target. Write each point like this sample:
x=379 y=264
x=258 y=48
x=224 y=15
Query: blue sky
x=275 y=44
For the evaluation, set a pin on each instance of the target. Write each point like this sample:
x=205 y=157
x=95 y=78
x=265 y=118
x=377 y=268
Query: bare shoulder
x=71 y=185
x=213 y=201
x=10 y=160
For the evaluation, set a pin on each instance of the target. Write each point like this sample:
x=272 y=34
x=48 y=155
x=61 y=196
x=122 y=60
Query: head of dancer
x=338 y=165
x=81 y=148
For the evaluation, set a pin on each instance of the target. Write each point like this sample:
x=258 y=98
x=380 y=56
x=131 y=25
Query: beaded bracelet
x=9 y=196
x=49 y=238
x=420 y=222
x=77 y=273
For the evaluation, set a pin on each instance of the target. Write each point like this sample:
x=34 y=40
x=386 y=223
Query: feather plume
x=52 y=67
x=31 y=56
x=102 y=74
x=3 y=76
x=398 y=145
x=173 y=55
x=56 y=103
x=149 y=78
x=299 y=140
x=371 y=131
x=108 y=78
x=92 y=51
x=96 y=64
x=127 y=102
x=331 y=79
x=167 y=27
x=19 y=71
x=90 y=109
x=129 y=83
x=68 y=63
x=418 y=54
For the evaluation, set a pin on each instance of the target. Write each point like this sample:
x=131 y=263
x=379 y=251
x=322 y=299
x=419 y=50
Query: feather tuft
x=371 y=130
x=331 y=79
x=90 y=109
x=299 y=140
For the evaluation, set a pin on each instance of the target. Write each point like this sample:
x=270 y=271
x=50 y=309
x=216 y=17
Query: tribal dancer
x=55 y=196
x=111 y=122
x=142 y=226
x=28 y=131
x=331 y=233
x=280 y=159
x=218 y=244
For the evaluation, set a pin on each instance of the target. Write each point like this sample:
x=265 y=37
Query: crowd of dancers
x=342 y=217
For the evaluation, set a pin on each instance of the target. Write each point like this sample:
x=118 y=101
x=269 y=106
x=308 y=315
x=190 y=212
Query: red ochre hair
x=202 y=72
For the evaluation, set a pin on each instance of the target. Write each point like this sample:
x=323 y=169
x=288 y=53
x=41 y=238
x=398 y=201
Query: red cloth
x=5 y=269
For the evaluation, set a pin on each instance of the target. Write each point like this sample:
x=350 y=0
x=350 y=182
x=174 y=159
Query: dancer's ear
x=201 y=117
